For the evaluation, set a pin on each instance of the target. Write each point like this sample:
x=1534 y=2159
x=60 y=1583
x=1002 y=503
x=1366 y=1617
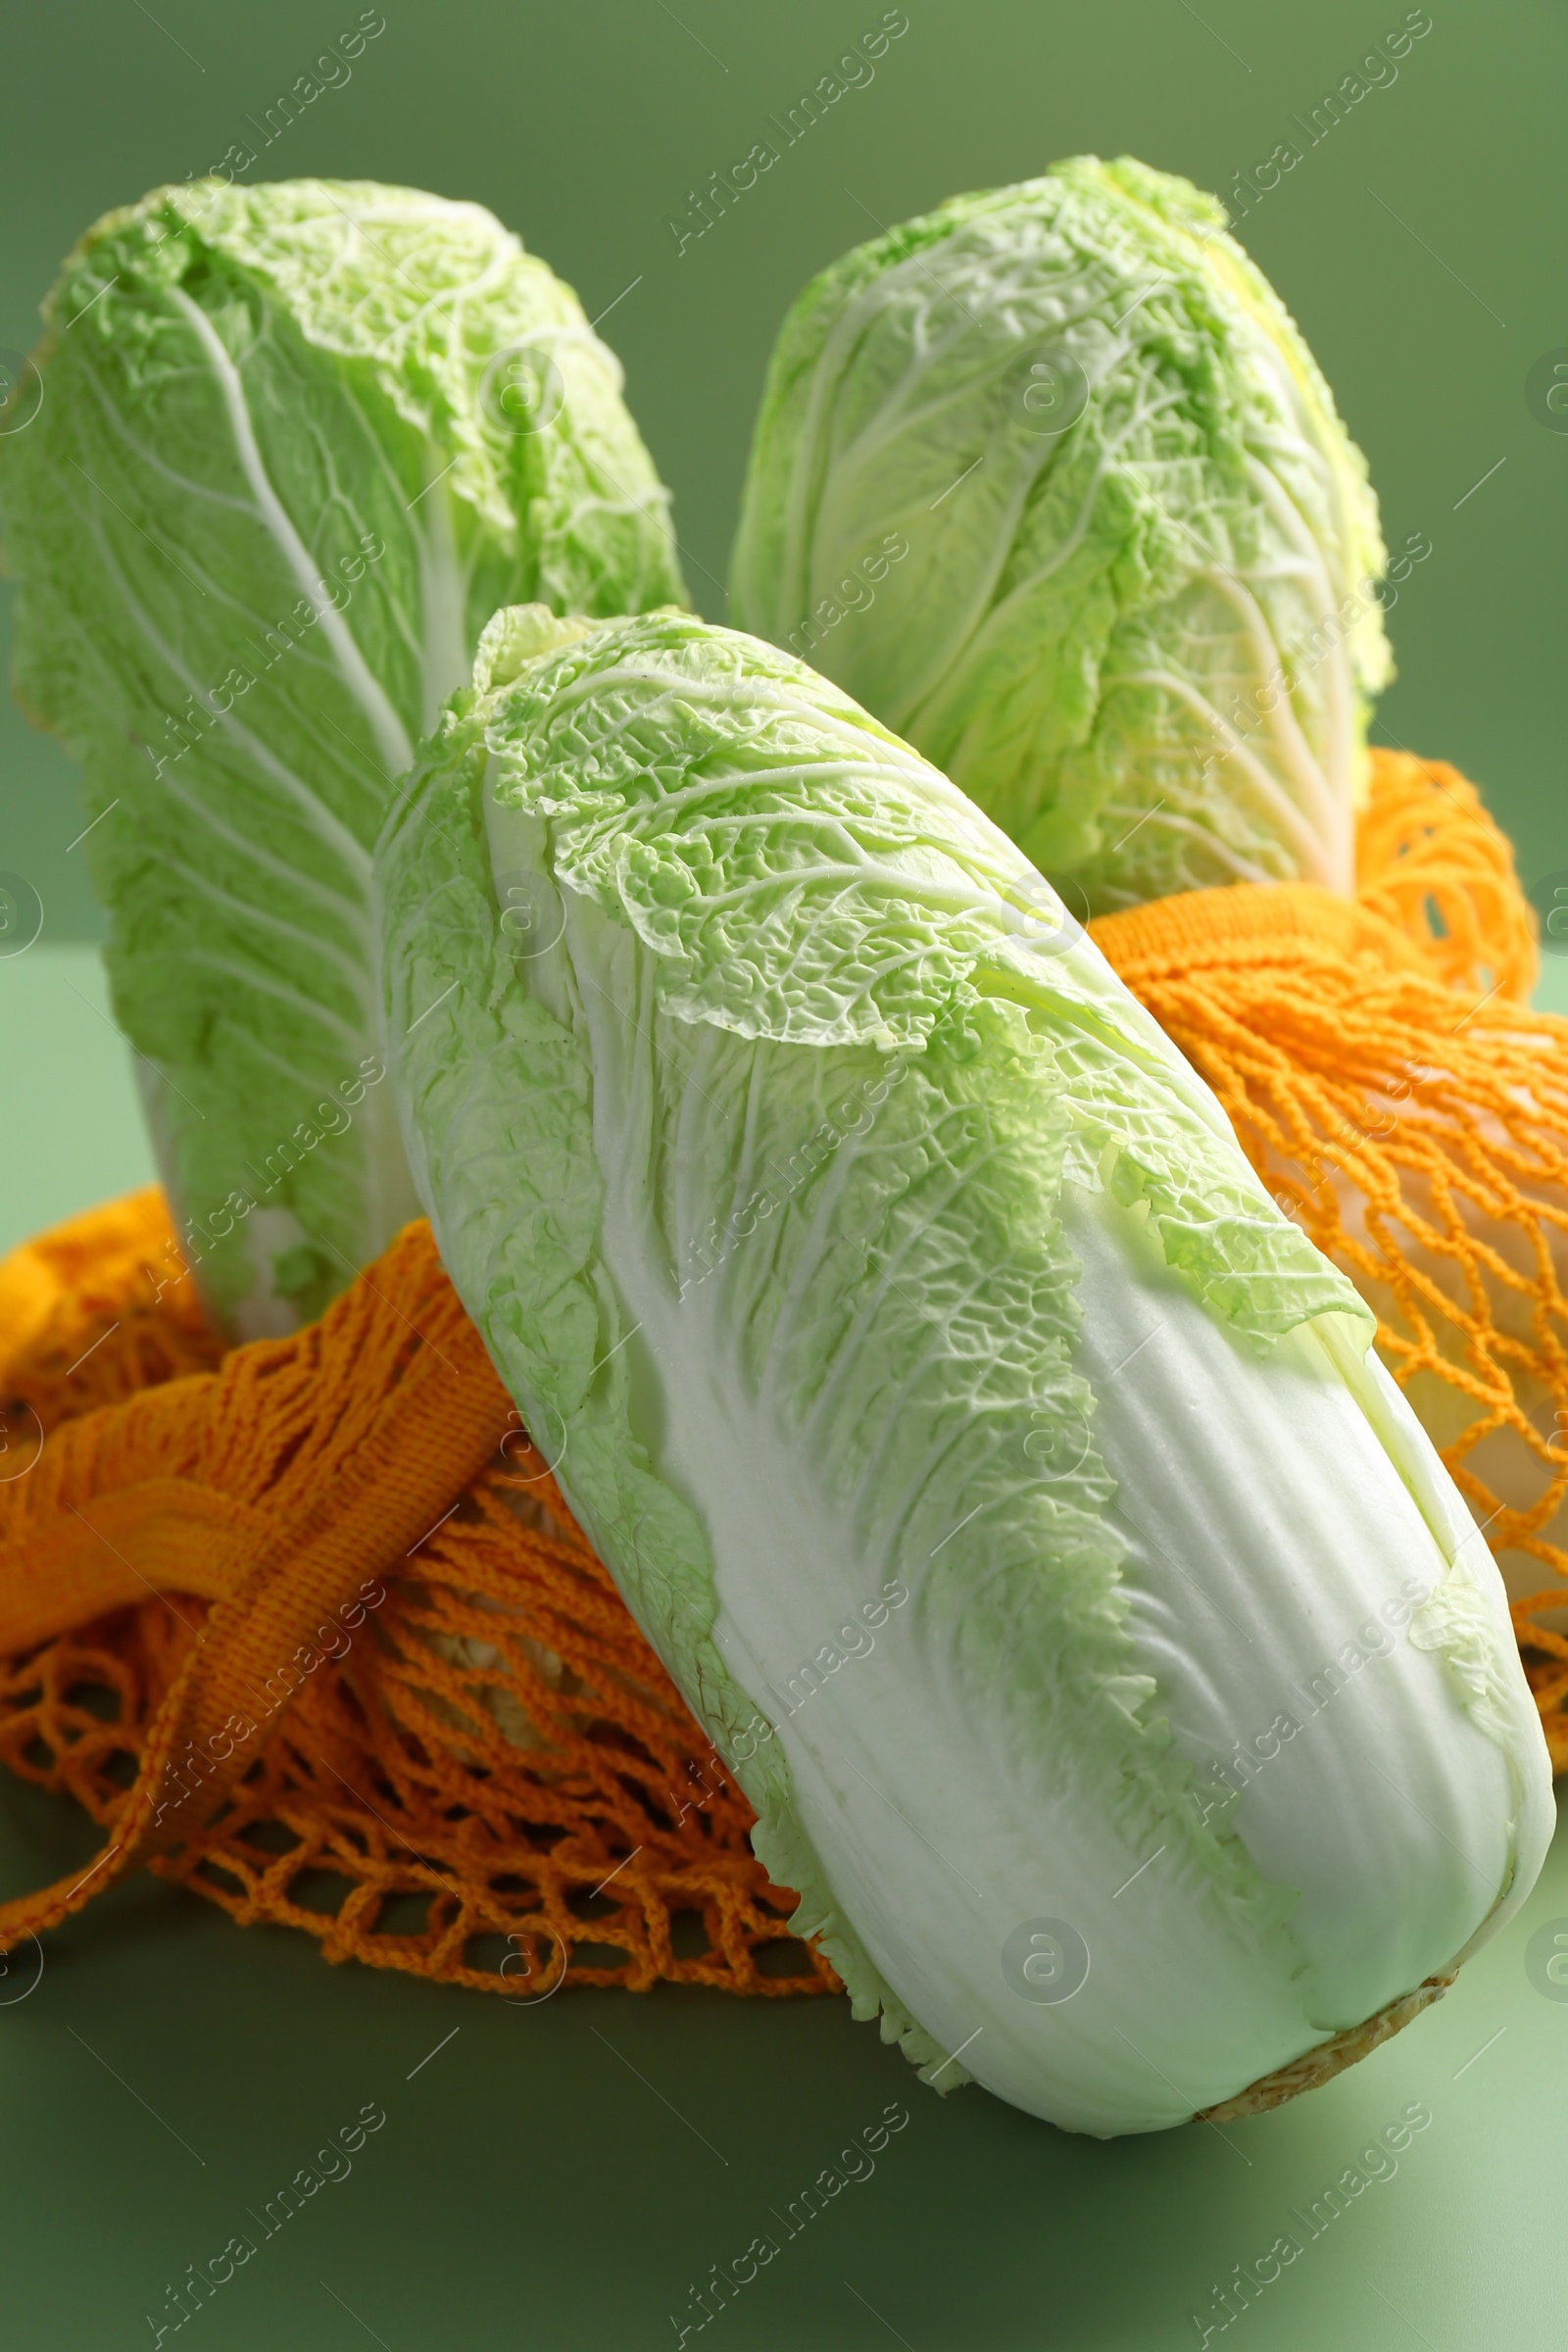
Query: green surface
x=72 y=1122
x=529 y=2187
x=532 y=2187
x=559 y=2178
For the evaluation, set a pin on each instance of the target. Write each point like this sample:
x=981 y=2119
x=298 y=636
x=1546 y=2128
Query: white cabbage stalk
x=1048 y=480
x=296 y=442
x=1008 y=1486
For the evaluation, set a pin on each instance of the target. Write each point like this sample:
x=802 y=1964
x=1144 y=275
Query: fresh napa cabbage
x=295 y=444
x=1008 y=1486
x=1049 y=481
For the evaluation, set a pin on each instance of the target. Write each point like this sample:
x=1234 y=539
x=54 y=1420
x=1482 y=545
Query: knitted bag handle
x=476 y=1772
x=270 y=1487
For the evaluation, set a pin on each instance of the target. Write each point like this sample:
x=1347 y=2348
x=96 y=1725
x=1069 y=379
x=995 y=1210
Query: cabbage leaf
x=1049 y=481
x=296 y=443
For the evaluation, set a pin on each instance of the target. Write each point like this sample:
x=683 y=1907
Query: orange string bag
x=1388 y=1081
x=307 y=1627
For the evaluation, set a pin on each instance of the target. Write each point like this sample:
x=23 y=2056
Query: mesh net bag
x=307 y=1627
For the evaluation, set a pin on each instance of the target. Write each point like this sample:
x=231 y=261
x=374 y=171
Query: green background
x=585 y=127
x=559 y=2178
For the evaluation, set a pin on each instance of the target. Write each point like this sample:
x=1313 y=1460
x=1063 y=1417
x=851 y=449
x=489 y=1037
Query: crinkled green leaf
x=296 y=443
x=1048 y=480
